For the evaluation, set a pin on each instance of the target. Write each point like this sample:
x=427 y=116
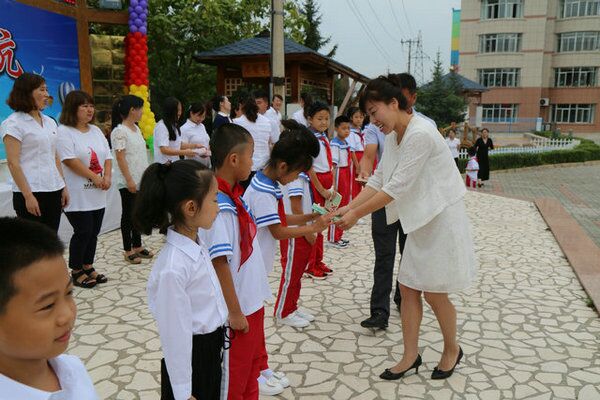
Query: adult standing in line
x=193 y=131
x=222 y=106
x=453 y=144
x=301 y=115
x=384 y=235
x=417 y=183
x=262 y=101
x=483 y=145
x=274 y=112
x=39 y=191
x=167 y=135
x=84 y=151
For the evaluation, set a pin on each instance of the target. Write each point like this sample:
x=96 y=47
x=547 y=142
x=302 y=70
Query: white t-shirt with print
x=38 y=151
x=161 y=139
x=91 y=148
x=136 y=156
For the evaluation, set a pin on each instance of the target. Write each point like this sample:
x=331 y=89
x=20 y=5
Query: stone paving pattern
x=524 y=325
x=577 y=187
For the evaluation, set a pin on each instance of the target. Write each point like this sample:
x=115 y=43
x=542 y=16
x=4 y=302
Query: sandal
x=144 y=253
x=91 y=272
x=87 y=282
x=133 y=259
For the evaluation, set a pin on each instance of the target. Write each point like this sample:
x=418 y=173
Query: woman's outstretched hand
x=348 y=219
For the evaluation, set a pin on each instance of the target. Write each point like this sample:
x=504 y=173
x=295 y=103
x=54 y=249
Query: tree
x=180 y=28
x=442 y=99
x=313 y=38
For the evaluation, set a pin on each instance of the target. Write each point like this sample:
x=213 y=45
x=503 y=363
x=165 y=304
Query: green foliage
x=313 y=38
x=442 y=100
x=178 y=29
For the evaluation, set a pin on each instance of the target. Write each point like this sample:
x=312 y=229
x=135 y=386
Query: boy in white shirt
x=472 y=169
x=37 y=314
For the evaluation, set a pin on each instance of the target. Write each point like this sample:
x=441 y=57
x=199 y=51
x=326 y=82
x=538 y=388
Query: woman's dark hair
x=353 y=110
x=296 y=146
x=23 y=243
x=485 y=129
x=123 y=106
x=308 y=101
x=170 y=108
x=74 y=99
x=249 y=107
x=197 y=107
x=278 y=96
x=385 y=89
x=316 y=107
x=21 y=95
x=224 y=140
x=162 y=190
x=451 y=130
x=216 y=102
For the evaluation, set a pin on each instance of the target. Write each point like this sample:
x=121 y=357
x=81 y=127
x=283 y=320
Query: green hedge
x=586 y=151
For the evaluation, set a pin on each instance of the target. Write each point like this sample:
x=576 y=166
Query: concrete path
x=524 y=325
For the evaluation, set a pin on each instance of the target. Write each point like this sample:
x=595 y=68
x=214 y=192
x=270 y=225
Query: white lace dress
x=421 y=176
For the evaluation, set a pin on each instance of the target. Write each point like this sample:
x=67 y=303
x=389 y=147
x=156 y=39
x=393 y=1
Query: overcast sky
x=386 y=23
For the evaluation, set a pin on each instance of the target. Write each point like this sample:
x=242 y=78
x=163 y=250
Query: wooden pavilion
x=247 y=62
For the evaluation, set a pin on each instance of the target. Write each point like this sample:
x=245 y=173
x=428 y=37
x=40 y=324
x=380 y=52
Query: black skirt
x=207 y=367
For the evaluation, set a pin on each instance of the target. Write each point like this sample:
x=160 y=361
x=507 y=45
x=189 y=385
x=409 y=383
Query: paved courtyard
x=577 y=187
x=524 y=326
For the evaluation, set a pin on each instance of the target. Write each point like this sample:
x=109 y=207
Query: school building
x=539 y=59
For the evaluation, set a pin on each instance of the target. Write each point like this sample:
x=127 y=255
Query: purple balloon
x=139 y=9
x=142 y=16
x=143 y=3
x=134 y=3
x=133 y=28
x=130 y=9
x=138 y=22
x=133 y=15
x=143 y=30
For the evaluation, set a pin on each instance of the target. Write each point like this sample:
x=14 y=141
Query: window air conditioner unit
x=544 y=102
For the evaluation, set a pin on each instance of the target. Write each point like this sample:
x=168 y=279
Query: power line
x=406 y=18
x=381 y=24
x=398 y=24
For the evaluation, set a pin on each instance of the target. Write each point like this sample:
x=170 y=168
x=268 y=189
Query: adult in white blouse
x=274 y=112
x=301 y=115
x=84 y=151
x=453 y=144
x=417 y=183
x=167 y=136
x=39 y=191
x=262 y=101
x=193 y=131
x=262 y=132
x=132 y=160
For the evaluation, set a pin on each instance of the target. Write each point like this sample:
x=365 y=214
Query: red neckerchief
x=247 y=225
x=323 y=138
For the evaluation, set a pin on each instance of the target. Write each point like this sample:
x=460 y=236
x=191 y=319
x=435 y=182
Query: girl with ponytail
x=184 y=294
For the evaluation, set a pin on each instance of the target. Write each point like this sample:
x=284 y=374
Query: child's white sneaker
x=269 y=387
x=305 y=315
x=281 y=378
x=293 y=320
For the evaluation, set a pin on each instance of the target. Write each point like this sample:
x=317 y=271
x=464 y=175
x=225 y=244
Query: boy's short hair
x=341 y=120
x=23 y=243
x=472 y=151
x=316 y=107
x=224 y=140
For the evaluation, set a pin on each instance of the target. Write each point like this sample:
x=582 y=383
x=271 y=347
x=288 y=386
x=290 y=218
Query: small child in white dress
x=472 y=169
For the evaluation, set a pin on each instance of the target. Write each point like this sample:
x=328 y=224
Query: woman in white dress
x=419 y=185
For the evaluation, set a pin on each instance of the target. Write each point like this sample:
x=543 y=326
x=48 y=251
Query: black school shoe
x=377 y=321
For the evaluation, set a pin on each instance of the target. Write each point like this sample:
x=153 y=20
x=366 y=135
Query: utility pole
x=417 y=66
x=409 y=42
x=277 y=52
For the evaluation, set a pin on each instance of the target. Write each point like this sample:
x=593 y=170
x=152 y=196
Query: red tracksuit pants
x=315 y=262
x=356 y=186
x=295 y=254
x=244 y=360
x=343 y=186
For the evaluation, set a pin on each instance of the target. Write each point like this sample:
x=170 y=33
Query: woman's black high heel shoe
x=392 y=376
x=439 y=374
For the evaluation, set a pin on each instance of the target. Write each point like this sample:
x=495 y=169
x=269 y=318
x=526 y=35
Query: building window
x=500 y=113
x=500 y=43
x=496 y=9
x=579 y=8
x=578 y=41
x=575 y=76
x=499 y=77
x=573 y=113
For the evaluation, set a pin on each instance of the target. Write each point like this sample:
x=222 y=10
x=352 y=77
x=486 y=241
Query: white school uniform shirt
x=196 y=133
x=320 y=162
x=355 y=140
x=185 y=298
x=223 y=239
x=262 y=197
x=136 y=156
x=472 y=165
x=299 y=117
x=262 y=132
x=91 y=148
x=298 y=188
x=339 y=152
x=161 y=139
x=453 y=145
x=273 y=114
x=419 y=173
x=74 y=381
x=38 y=150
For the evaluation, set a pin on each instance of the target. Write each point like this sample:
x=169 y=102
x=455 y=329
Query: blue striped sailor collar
x=317 y=133
x=226 y=204
x=304 y=176
x=262 y=183
x=336 y=141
